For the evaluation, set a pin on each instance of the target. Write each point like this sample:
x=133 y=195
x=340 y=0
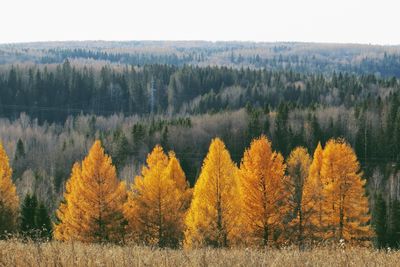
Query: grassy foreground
x=15 y=253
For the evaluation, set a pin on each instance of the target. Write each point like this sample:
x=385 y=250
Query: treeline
x=137 y=59
x=386 y=66
x=300 y=57
x=265 y=201
x=54 y=92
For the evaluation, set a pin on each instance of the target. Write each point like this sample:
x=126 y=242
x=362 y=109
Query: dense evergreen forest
x=56 y=99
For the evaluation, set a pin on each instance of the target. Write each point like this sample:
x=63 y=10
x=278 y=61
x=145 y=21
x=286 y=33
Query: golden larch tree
x=345 y=209
x=158 y=201
x=298 y=165
x=213 y=214
x=94 y=198
x=67 y=226
x=262 y=184
x=313 y=198
x=9 y=202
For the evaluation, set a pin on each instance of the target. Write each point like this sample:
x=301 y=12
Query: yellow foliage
x=298 y=165
x=9 y=202
x=312 y=196
x=345 y=204
x=68 y=226
x=158 y=201
x=94 y=197
x=213 y=214
x=262 y=188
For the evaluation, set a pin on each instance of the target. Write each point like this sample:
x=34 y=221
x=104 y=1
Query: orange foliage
x=157 y=202
x=94 y=197
x=262 y=188
x=345 y=209
x=213 y=214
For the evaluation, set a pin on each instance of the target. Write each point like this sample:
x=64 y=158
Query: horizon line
x=197 y=40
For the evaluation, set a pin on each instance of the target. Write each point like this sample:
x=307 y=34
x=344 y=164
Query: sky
x=332 y=21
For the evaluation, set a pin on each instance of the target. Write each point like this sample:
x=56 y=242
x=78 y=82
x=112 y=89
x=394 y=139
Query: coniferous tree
x=9 y=202
x=20 y=150
x=313 y=198
x=121 y=149
x=346 y=211
x=213 y=214
x=394 y=224
x=254 y=127
x=262 y=180
x=379 y=221
x=28 y=215
x=35 y=219
x=94 y=200
x=164 y=138
x=158 y=201
x=282 y=130
x=298 y=165
x=43 y=221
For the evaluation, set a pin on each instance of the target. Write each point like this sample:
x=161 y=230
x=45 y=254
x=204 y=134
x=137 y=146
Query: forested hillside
x=300 y=57
x=56 y=99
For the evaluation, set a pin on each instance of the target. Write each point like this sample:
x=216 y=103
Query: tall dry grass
x=16 y=253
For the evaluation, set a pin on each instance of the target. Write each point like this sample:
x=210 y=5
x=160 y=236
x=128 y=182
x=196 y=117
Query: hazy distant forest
x=57 y=98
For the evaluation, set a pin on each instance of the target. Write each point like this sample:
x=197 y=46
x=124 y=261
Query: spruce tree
x=20 y=150
x=28 y=215
x=379 y=221
x=35 y=220
x=394 y=225
x=43 y=222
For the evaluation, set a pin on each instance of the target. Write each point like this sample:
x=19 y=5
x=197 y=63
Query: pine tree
x=9 y=201
x=379 y=221
x=94 y=199
x=346 y=210
x=298 y=165
x=157 y=202
x=213 y=214
x=263 y=194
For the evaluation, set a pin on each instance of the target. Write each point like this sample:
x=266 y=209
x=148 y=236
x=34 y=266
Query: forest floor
x=16 y=253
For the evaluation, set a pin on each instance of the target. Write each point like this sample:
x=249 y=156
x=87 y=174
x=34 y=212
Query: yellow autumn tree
x=158 y=201
x=94 y=198
x=262 y=184
x=213 y=214
x=313 y=198
x=345 y=209
x=69 y=215
x=298 y=165
x=9 y=201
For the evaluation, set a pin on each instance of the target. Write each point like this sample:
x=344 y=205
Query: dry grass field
x=16 y=253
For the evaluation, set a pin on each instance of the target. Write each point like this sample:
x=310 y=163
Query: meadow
x=17 y=253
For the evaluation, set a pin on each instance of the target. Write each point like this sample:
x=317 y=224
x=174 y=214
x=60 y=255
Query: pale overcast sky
x=343 y=21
